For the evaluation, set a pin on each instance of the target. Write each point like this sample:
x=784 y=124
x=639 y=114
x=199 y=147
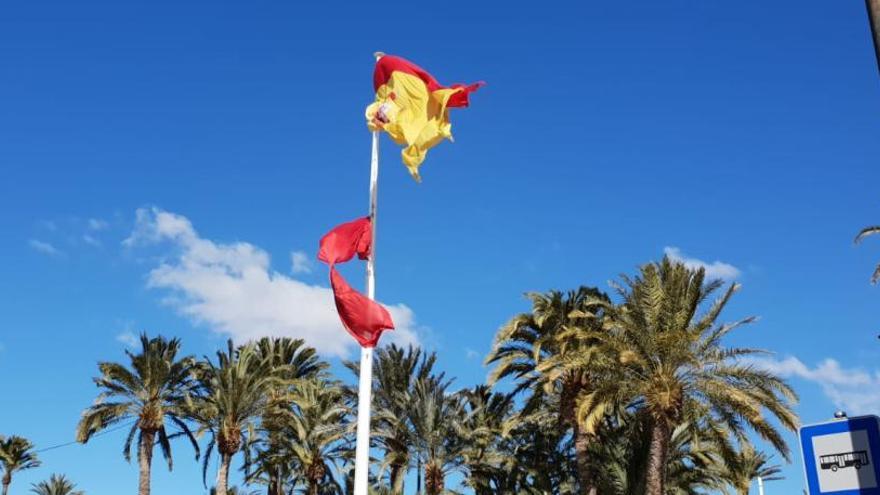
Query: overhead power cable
x=67 y=444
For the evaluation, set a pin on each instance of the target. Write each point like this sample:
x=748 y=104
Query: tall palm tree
x=551 y=351
x=866 y=232
x=487 y=418
x=693 y=465
x=234 y=394
x=272 y=466
x=153 y=392
x=16 y=454
x=57 y=484
x=673 y=362
x=539 y=456
x=436 y=416
x=291 y=361
x=317 y=430
x=394 y=374
x=746 y=466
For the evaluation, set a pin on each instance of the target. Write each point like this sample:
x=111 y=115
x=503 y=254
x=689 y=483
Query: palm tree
x=394 y=374
x=673 y=363
x=56 y=485
x=289 y=358
x=746 y=466
x=693 y=465
x=16 y=454
x=154 y=391
x=272 y=466
x=317 y=430
x=234 y=394
x=866 y=232
x=539 y=456
x=487 y=418
x=552 y=350
x=291 y=361
x=695 y=461
x=436 y=418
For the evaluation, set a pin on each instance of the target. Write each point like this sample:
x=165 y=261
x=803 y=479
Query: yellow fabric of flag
x=413 y=108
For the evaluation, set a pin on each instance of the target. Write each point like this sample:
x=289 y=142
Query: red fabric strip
x=388 y=64
x=364 y=318
x=345 y=240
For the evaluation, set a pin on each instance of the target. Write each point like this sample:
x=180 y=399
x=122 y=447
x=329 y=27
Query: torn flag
x=413 y=108
x=364 y=318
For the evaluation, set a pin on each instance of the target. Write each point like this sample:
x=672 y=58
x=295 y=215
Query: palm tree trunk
x=145 y=459
x=223 y=473
x=582 y=441
x=274 y=482
x=419 y=476
x=874 y=19
x=314 y=486
x=6 y=482
x=434 y=482
x=658 y=452
x=397 y=477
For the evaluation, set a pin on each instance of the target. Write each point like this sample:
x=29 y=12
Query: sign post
x=842 y=457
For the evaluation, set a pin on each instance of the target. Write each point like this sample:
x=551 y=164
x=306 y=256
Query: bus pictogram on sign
x=849 y=459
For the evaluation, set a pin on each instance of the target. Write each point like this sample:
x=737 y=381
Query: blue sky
x=743 y=133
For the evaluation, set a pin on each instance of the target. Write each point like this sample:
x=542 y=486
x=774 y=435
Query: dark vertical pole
x=874 y=18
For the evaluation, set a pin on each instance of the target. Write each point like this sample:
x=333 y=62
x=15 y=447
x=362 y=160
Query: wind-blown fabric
x=364 y=318
x=413 y=108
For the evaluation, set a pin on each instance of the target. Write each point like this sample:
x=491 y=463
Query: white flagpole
x=365 y=391
x=760 y=485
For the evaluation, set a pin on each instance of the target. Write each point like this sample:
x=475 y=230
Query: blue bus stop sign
x=842 y=457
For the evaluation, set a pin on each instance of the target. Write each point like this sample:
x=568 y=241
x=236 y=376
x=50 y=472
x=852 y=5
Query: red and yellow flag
x=413 y=108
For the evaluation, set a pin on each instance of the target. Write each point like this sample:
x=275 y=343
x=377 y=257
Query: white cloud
x=470 y=353
x=232 y=289
x=856 y=391
x=716 y=269
x=97 y=224
x=91 y=241
x=300 y=262
x=128 y=338
x=45 y=248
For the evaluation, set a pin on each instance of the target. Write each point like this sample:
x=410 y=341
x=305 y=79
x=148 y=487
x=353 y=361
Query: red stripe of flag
x=389 y=64
x=364 y=318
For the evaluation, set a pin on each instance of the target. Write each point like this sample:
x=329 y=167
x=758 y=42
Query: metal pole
x=760 y=486
x=874 y=19
x=365 y=385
